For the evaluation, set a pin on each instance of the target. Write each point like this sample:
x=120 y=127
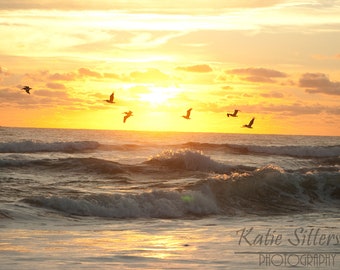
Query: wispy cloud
x=194 y=6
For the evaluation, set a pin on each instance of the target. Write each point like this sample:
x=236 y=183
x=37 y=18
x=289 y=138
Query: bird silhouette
x=233 y=114
x=127 y=115
x=27 y=89
x=112 y=97
x=250 y=123
x=188 y=114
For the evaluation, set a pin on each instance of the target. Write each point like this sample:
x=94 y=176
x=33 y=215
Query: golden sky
x=275 y=60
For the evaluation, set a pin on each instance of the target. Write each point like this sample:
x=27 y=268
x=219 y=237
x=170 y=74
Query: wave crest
x=266 y=191
x=187 y=159
x=155 y=204
x=287 y=150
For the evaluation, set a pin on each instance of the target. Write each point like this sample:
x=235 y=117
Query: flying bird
x=127 y=115
x=112 y=97
x=250 y=123
x=188 y=114
x=233 y=114
x=27 y=89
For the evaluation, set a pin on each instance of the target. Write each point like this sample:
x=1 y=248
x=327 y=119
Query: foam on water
x=188 y=160
x=286 y=150
x=265 y=191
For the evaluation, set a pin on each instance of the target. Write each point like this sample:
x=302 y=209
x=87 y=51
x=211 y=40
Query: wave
x=155 y=204
x=29 y=146
x=76 y=165
x=193 y=160
x=266 y=191
x=271 y=189
x=290 y=150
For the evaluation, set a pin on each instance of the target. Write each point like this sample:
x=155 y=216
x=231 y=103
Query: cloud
x=63 y=77
x=192 y=6
x=272 y=94
x=257 y=74
x=7 y=95
x=112 y=76
x=51 y=94
x=319 y=83
x=3 y=70
x=3 y=73
x=89 y=73
x=297 y=109
x=71 y=76
x=196 y=68
x=55 y=85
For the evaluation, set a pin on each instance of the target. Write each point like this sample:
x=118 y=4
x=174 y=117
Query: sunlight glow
x=274 y=60
x=159 y=95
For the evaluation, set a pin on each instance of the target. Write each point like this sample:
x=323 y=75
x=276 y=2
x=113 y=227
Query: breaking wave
x=193 y=160
x=266 y=191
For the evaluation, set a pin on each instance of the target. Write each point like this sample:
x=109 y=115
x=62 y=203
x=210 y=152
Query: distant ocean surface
x=85 y=199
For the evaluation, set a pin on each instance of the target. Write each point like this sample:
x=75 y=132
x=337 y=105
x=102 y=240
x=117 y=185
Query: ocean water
x=85 y=199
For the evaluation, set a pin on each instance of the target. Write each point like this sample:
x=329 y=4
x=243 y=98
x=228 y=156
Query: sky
x=275 y=60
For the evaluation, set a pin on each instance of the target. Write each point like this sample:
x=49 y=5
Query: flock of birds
x=187 y=116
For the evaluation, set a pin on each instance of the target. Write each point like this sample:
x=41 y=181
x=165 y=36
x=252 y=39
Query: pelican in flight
x=27 y=89
x=233 y=114
x=127 y=115
x=188 y=114
x=250 y=123
x=112 y=97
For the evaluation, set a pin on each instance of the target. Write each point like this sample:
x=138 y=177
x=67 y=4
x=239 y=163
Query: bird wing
x=112 y=97
x=188 y=112
x=251 y=122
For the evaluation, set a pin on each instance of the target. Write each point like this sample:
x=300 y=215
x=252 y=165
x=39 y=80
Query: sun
x=159 y=95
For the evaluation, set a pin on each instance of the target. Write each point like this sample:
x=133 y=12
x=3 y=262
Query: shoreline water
x=75 y=199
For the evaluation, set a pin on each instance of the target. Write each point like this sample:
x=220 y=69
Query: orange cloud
x=272 y=94
x=257 y=74
x=89 y=73
x=196 y=68
x=55 y=85
x=63 y=77
x=319 y=83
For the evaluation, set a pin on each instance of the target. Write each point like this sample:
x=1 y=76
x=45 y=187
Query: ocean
x=85 y=199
